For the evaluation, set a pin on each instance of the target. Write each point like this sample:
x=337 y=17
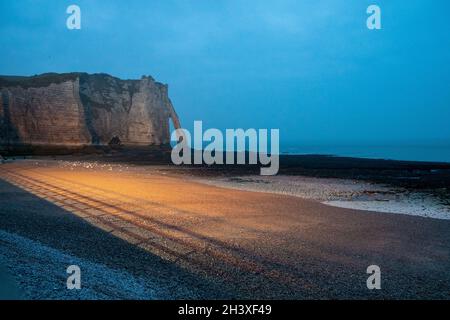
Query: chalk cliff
x=80 y=109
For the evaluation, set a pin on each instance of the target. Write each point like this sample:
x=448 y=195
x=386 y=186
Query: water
x=434 y=153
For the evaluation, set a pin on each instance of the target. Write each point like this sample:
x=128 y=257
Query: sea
x=427 y=153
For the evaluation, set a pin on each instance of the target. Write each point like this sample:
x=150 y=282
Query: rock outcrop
x=80 y=109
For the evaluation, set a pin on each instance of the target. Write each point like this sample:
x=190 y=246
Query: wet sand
x=238 y=243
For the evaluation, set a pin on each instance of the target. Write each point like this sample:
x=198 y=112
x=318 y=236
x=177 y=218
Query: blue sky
x=310 y=68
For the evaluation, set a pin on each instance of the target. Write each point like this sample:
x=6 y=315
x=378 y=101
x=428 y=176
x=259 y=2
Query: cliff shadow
x=9 y=135
x=89 y=118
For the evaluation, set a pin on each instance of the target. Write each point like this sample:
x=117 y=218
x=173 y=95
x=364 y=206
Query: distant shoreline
x=286 y=153
x=407 y=174
x=362 y=157
x=423 y=153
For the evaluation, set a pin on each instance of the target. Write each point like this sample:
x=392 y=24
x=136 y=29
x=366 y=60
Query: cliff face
x=79 y=109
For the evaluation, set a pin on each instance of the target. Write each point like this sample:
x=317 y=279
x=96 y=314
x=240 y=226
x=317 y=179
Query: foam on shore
x=343 y=193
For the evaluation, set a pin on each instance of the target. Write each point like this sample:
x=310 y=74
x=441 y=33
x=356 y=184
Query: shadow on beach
x=33 y=218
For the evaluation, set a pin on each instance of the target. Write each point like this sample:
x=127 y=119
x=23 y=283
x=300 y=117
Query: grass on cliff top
x=42 y=80
x=46 y=79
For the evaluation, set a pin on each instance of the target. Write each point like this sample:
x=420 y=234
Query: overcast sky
x=310 y=68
